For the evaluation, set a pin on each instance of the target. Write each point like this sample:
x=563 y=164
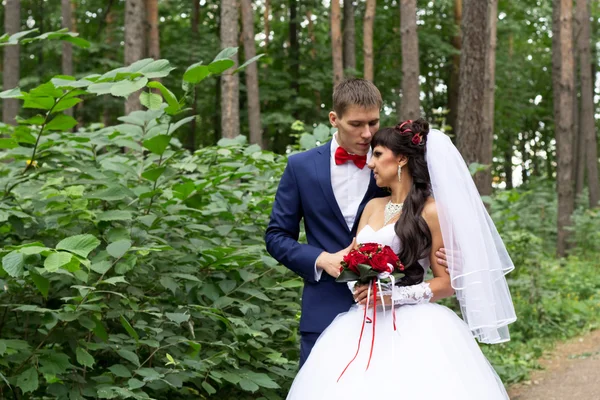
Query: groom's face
x=356 y=128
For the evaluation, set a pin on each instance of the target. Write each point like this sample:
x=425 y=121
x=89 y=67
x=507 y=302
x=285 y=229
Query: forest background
x=139 y=165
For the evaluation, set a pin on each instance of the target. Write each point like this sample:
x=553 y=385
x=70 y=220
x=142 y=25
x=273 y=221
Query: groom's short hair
x=355 y=92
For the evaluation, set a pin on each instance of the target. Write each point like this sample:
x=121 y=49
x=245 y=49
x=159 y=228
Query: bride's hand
x=360 y=296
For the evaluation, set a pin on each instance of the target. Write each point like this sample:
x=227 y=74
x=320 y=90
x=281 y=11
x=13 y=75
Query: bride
x=413 y=348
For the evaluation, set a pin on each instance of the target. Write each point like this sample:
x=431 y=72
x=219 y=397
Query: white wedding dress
x=431 y=356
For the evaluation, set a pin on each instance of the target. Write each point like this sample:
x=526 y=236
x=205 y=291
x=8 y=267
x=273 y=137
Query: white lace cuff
x=415 y=294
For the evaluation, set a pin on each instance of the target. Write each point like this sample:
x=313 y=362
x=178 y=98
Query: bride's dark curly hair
x=409 y=138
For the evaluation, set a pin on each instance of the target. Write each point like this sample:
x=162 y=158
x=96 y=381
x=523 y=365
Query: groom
x=329 y=187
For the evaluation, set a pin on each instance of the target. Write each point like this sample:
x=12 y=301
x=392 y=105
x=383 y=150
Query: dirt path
x=571 y=371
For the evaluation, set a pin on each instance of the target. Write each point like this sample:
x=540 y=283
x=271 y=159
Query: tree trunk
x=191 y=138
x=487 y=129
x=336 y=42
x=251 y=74
x=410 y=104
x=107 y=115
x=587 y=123
x=230 y=102
x=563 y=86
x=294 y=51
x=134 y=44
x=349 y=36
x=313 y=56
x=472 y=84
x=578 y=140
x=12 y=54
x=152 y=26
x=368 y=40
x=453 y=84
x=67 y=48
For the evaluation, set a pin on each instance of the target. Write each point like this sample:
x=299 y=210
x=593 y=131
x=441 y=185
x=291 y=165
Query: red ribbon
x=362 y=329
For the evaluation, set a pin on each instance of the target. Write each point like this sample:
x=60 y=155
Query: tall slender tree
x=471 y=97
x=488 y=115
x=294 y=50
x=266 y=17
x=67 y=48
x=11 y=73
x=252 y=89
x=349 y=36
x=191 y=138
x=586 y=120
x=368 y=40
x=453 y=83
x=134 y=44
x=336 y=42
x=410 y=106
x=563 y=85
x=230 y=103
x=153 y=29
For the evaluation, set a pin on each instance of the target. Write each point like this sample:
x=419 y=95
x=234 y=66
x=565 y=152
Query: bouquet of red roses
x=367 y=261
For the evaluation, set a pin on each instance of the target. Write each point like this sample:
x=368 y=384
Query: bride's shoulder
x=377 y=202
x=430 y=213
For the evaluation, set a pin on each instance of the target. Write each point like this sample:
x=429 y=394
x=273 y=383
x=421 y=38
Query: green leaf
x=70 y=82
x=308 y=141
x=101 y=88
x=129 y=328
x=13 y=263
x=156 y=69
x=8 y=143
x=66 y=104
x=120 y=370
x=152 y=173
x=219 y=66
x=263 y=380
x=347 y=276
x=41 y=283
x=84 y=358
x=250 y=61
x=77 y=41
x=129 y=356
x=196 y=73
x=81 y=245
x=135 y=383
x=158 y=144
x=112 y=193
x=178 y=318
x=209 y=389
x=227 y=52
x=248 y=385
x=11 y=93
x=169 y=283
x=101 y=267
x=126 y=87
x=56 y=260
x=99 y=330
x=167 y=94
x=28 y=380
x=179 y=123
x=114 y=280
x=151 y=101
x=119 y=248
x=255 y=293
x=321 y=133
x=38 y=102
x=115 y=215
x=61 y=122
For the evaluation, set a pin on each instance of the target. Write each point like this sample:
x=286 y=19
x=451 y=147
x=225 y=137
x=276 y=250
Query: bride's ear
x=402 y=160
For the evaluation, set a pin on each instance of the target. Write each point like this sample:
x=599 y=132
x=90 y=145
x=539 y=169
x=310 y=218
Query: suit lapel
x=323 y=166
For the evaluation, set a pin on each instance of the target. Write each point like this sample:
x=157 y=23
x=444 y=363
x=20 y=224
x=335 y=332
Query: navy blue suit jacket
x=305 y=192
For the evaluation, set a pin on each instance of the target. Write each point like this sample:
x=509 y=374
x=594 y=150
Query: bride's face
x=384 y=164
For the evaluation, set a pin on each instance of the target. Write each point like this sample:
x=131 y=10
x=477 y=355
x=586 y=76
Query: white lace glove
x=415 y=294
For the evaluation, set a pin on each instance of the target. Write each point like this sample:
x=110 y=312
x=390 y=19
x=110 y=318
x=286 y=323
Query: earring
x=400 y=173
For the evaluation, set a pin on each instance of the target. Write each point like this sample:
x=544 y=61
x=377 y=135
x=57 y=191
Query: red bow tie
x=342 y=156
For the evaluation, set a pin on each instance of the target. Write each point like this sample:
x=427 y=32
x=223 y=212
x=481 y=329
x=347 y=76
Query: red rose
x=390 y=255
x=369 y=248
x=416 y=139
x=379 y=262
x=354 y=258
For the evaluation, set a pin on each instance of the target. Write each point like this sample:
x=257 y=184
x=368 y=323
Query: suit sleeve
x=283 y=231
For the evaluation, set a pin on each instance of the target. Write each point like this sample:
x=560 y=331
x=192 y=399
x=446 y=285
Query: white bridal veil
x=477 y=257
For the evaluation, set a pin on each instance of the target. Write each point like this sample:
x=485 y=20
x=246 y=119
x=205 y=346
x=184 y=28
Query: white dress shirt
x=349 y=184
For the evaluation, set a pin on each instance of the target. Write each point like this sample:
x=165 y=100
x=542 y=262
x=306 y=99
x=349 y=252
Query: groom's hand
x=331 y=262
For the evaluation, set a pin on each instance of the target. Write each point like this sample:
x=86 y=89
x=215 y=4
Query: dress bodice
x=387 y=237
